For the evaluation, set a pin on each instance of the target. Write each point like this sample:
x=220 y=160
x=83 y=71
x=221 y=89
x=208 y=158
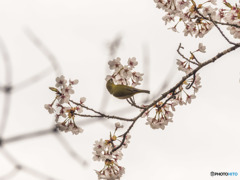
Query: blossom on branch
x=199 y=19
x=63 y=94
x=201 y=48
x=49 y=108
x=162 y=117
x=124 y=74
x=104 y=150
x=159 y=115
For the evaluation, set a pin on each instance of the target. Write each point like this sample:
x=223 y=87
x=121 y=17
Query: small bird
x=123 y=91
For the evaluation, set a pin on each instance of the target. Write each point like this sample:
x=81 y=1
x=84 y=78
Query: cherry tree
x=186 y=16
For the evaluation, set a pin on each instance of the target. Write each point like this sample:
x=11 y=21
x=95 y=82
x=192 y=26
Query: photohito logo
x=223 y=173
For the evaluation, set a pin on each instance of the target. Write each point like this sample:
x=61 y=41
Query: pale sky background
x=204 y=136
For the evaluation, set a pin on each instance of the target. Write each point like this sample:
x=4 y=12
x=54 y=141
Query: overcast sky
x=204 y=135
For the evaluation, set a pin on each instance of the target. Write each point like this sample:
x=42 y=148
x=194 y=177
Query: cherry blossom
x=103 y=151
x=115 y=64
x=123 y=74
x=132 y=62
x=202 y=48
x=63 y=108
x=49 y=108
x=61 y=81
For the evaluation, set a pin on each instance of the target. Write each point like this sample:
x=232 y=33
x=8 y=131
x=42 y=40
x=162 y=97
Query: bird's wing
x=123 y=92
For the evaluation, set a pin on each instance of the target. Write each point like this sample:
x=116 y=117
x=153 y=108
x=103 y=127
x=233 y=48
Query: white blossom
x=214 y=2
x=76 y=130
x=82 y=100
x=99 y=146
x=61 y=81
x=201 y=48
x=79 y=109
x=118 y=125
x=189 y=98
x=209 y=11
x=125 y=73
x=68 y=90
x=113 y=172
x=115 y=64
x=74 y=82
x=49 y=108
x=132 y=62
x=63 y=98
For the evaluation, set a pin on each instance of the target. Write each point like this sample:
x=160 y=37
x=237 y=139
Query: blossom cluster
x=231 y=16
x=124 y=74
x=181 y=96
x=103 y=151
x=61 y=105
x=198 y=18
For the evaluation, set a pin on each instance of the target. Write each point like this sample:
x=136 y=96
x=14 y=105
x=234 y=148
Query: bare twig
x=225 y=37
x=28 y=135
x=68 y=148
x=101 y=114
x=37 y=173
x=114 y=45
x=190 y=84
x=134 y=104
x=124 y=136
x=178 y=50
x=195 y=58
x=10 y=174
x=7 y=88
x=33 y=79
x=44 y=50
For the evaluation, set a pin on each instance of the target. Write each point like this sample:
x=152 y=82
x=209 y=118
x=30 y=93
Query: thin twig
x=10 y=174
x=190 y=84
x=7 y=88
x=36 y=173
x=88 y=115
x=178 y=50
x=101 y=114
x=124 y=136
x=27 y=135
x=70 y=151
x=195 y=58
x=50 y=56
x=134 y=104
x=216 y=22
x=226 y=24
x=225 y=37
x=33 y=79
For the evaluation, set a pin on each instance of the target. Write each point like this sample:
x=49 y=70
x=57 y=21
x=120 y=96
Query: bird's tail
x=143 y=91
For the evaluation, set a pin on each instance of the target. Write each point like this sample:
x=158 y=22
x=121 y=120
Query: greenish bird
x=123 y=91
